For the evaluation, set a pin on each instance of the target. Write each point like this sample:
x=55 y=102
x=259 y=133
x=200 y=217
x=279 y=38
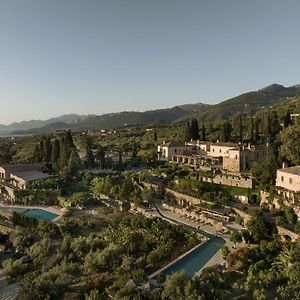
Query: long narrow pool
x=195 y=260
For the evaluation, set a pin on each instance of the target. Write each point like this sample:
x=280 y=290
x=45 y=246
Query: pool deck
x=51 y=209
x=217 y=259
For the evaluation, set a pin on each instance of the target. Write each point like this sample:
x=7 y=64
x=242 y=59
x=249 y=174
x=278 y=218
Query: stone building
x=240 y=158
x=231 y=161
x=14 y=177
x=167 y=150
x=288 y=183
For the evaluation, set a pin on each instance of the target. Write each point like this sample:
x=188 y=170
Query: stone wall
x=285 y=232
x=206 y=179
x=150 y=185
x=233 y=180
x=182 y=198
x=281 y=230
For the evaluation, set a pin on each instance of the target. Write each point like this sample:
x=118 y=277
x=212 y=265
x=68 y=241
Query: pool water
x=40 y=214
x=195 y=260
x=36 y=213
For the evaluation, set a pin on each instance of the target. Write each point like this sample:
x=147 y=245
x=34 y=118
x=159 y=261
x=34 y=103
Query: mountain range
x=245 y=103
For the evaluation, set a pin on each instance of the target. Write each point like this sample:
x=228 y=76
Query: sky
x=99 y=56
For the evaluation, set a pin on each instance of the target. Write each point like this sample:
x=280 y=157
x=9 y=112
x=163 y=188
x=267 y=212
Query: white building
x=288 y=183
x=167 y=150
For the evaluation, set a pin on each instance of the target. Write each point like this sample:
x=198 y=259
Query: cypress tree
x=69 y=140
x=240 y=129
x=100 y=156
x=66 y=147
x=74 y=163
x=251 y=129
x=120 y=157
x=42 y=150
x=210 y=128
x=256 y=131
x=47 y=150
x=89 y=159
x=203 y=133
x=36 y=154
x=267 y=126
x=287 y=121
x=188 y=132
x=226 y=131
x=55 y=152
x=195 y=130
x=274 y=125
x=63 y=154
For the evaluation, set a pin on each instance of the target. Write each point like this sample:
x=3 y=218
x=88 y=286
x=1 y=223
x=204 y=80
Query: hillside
x=250 y=102
x=115 y=120
x=69 y=120
x=246 y=103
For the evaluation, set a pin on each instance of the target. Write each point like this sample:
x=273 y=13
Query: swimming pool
x=195 y=260
x=36 y=213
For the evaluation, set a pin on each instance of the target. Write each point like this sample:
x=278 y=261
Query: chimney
x=284 y=165
x=164 y=142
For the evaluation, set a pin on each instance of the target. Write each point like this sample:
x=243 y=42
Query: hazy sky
x=96 y=56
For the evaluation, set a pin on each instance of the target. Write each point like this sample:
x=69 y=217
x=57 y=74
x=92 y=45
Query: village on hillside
x=187 y=195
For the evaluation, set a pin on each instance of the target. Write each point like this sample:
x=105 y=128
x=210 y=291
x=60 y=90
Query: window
x=220 y=150
x=175 y=150
x=213 y=150
x=236 y=156
x=290 y=180
x=282 y=178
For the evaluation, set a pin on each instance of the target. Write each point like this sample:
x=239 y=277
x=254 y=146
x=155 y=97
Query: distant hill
x=115 y=120
x=23 y=126
x=247 y=103
x=152 y=117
